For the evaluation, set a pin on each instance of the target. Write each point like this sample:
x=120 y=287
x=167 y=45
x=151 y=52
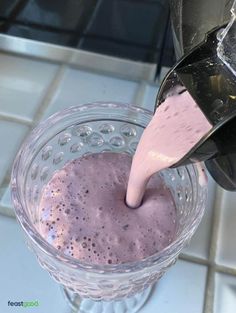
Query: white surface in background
x=200 y=243
x=149 y=97
x=11 y=136
x=23 y=83
x=181 y=290
x=226 y=247
x=225 y=294
x=6 y=199
x=79 y=87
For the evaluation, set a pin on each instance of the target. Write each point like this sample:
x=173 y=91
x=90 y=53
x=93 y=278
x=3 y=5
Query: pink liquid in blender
x=83 y=212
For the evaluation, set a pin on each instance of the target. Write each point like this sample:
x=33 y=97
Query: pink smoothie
x=83 y=214
x=175 y=129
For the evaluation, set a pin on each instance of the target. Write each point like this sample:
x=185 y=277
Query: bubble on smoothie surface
x=82 y=212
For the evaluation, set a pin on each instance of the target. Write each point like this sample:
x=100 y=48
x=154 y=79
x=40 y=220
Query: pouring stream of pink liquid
x=176 y=127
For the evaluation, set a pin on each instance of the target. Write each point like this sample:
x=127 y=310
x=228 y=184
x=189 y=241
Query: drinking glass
x=97 y=128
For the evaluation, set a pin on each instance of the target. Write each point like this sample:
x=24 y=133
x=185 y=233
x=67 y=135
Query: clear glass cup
x=72 y=133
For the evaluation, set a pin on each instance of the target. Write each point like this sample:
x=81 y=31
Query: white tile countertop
x=202 y=281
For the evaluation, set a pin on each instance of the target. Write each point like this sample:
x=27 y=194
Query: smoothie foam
x=83 y=213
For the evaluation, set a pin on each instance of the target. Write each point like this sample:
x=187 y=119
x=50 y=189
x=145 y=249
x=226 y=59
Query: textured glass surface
x=98 y=127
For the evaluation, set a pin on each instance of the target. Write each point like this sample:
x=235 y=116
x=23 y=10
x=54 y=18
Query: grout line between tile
x=217 y=268
x=50 y=93
x=7 y=177
x=5 y=183
x=209 y=291
x=4 y=211
x=216 y=223
x=193 y=259
x=15 y=119
x=225 y=270
x=210 y=283
x=140 y=94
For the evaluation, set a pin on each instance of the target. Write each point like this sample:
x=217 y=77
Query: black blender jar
x=207 y=70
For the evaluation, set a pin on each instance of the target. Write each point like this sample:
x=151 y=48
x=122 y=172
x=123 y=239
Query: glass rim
x=42 y=244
